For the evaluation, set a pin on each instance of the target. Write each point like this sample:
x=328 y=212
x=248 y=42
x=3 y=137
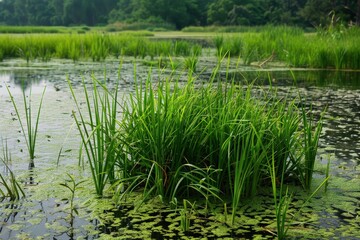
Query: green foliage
x=100 y=45
x=95 y=46
x=189 y=140
x=292 y=46
x=99 y=134
x=29 y=131
x=72 y=186
x=186 y=214
x=190 y=63
x=9 y=187
x=165 y=15
x=311 y=140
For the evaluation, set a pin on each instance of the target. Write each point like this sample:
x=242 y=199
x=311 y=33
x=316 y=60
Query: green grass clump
x=92 y=45
x=99 y=134
x=214 y=140
x=9 y=187
x=294 y=47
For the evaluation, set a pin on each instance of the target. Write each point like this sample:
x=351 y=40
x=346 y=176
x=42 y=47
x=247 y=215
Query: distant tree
x=180 y=13
x=56 y=8
x=236 y=12
x=320 y=12
x=20 y=12
x=218 y=12
x=284 y=12
x=358 y=13
x=7 y=12
x=38 y=12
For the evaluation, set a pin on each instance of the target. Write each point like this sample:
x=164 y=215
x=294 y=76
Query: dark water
x=338 y=92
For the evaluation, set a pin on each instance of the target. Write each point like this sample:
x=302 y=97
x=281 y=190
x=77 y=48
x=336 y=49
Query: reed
x=311 y=140
x=217 y=134
x=26 y=51
x=96 y=46
x=98 y=133
x=9 y=187
x=219 y=45
x=186 y=214
x=281 y=200
x=327 y=173
x=100 y=47
x=182 y=48
x=191 y=63
x=212 y=141
x=29 y=129
x=294 y=47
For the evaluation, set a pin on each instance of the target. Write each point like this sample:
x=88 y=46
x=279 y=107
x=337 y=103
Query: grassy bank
x=47 y=29
x=332 y=48
x=328 y=48
x=95 y=46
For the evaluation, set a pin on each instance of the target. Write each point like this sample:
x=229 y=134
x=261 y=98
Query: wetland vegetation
x=334 y=48
x=168 y=137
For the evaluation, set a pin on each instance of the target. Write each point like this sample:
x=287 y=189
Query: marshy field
x=180 y=135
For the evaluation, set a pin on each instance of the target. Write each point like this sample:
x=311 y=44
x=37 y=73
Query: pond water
x=46 y=214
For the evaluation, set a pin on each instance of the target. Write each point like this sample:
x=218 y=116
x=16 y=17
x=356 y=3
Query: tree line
x=179 y=13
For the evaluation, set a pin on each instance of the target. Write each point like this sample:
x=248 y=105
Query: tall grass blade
x=29 y=130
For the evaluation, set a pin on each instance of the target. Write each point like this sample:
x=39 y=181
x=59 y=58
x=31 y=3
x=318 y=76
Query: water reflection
x=21 y=80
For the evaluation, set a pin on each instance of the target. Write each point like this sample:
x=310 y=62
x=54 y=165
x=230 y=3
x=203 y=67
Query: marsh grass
x=217 y=141
x=29 y=129
x=38 y=29
x=311 y=140
x=191 y=63
x=186 y=215
x=327 y=173
x=281 y=199
x=96 y=46
x=100 y=48
x=210 y=140
x=9 y=187
x=292 y=46
x=98 y=131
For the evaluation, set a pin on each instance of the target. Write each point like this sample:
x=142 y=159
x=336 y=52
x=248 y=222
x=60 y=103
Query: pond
x=46 y=212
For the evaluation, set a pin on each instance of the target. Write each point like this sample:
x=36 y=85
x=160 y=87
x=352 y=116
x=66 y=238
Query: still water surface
x=57 y=149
